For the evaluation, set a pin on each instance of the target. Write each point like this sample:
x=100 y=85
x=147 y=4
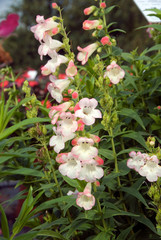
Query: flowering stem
x=104 y=19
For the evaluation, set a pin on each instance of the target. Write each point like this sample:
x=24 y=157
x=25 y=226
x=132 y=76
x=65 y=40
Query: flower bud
x=89 y=10
x=103 y=5
x=54 y=5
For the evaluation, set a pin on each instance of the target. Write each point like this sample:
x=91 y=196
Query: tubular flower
x=87 y=111
x=56 y=87
x=89 y=10
x=53 y=63
x=42 y=27
x=85 y=199
x=84 y=150
x=90 y=24
x=71 y=70
x=68 y=124
x=90 y=172
x=57 y=110
x=85 y=53
x=47 y=45
x=137 y=160
x=114 y=72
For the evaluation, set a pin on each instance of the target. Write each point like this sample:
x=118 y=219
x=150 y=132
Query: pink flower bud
x=158 y=107
x=54 y=5
x=74 y=95
x=90 y=24
x=66 y=99
x=80 y=125
x=77 y=107
x=105 y=41
x=99 y=27
x=97 y=183
x=74 y=141
x=89 y=10
x=55 y=31
x=99 y=160
x=103 y=5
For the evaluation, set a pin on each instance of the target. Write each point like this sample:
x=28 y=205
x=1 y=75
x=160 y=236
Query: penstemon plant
x=93 y=172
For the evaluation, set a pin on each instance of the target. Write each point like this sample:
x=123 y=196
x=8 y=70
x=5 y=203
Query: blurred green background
x=23 y=47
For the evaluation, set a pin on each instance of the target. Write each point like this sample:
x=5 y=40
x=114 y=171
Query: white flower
x=43 y=26
x=86 y=52
x=68 y=124
x=47 y=45
x=53 y=63
x=84 y=150
x=87 y=111
x=90 y=172
x=57 y=87
x=137 y=160
x=58 y=140
x=114 y=72
x=71 y=70
x=151 y=170
x=71 y=168
x=85 y=199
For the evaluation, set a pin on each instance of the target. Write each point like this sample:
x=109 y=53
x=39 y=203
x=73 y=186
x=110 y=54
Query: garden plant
x=87 y=158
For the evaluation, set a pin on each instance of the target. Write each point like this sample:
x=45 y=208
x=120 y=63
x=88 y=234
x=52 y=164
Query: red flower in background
x=4 y=84
x=9 y=25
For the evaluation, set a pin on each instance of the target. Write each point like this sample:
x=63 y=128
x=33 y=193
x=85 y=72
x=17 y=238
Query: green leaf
x=137 y=137
x=102 y=236
x=132 y=114
x=106 y=153
x=27 y=172
x=124 y=234
x=23 y=123
x=50 y=233
x=74 y=183
x=4 y=223
x=27 y=236
x=109 y=9
x=134 y=192
x=117 y=30
x=112 y=213
x=144 y=220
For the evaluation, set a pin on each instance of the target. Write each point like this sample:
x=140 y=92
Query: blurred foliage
x=23 y=47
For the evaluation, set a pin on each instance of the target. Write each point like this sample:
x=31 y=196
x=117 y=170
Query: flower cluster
x=146 y=165
x=69 y=117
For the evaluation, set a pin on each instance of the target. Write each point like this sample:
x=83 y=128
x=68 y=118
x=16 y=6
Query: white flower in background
x=43 y=26
x=87 y=111
x=85 y=53
x=48 y=45
x=84 y=150
x=71 y=168
x=56 y=87
x=114 y=72
x=57 y=110
x=137 y=160
x=151 y=170
x=68 y=124
x=58 y=140
x=71 y=70
x=53 y=63
x=85 y=199
x=90 y=172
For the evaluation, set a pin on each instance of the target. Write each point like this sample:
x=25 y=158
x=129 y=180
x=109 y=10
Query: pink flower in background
x=85 y=53
x=9 y=25
x=87 y=111
x=89 y=10
x=114 y=72
x=85 y=199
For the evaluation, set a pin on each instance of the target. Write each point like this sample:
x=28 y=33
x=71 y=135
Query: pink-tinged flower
x=77 y=107
x=71 y=168
x=71 y=70
x=159 y=107
x=9 y=25
x=114 y=72
x=85 y=199
x=75 y=141
x=58 y=140
x=90 y=172
x=137 y=160
x=48 y=45
x=57 y=87
x=151 y=170
x=74 y=95
x=87 y=111
x=57 y=110
x=68 y=124
x=105 y=41
x=95 y=138
x=89 y=10
x=84 y=151
x=62 y=76
x=80 y=125
x=61 y=157
x=85 y=53
x=43 y=26
x=99 y=160
x=90 y=24
x=103 y=5
x=51 y=66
